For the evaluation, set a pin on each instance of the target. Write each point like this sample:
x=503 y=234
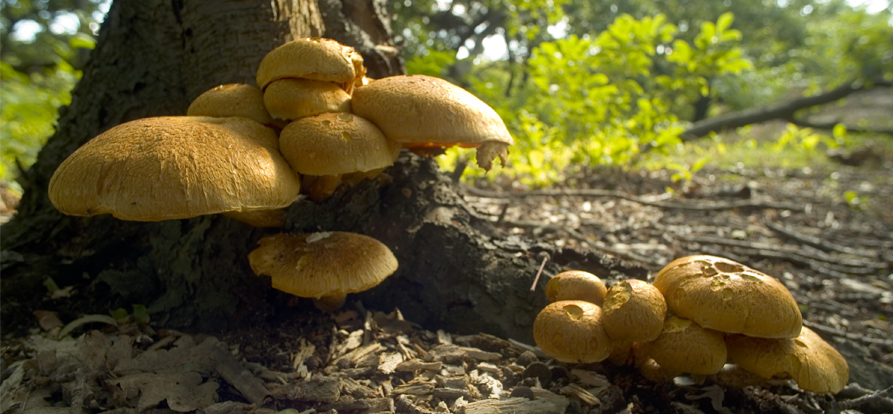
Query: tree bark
x=152 y=58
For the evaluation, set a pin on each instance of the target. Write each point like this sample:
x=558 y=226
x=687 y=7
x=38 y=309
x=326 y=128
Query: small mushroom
x=324 y=147
x=572 y=331
x=576 y=285
x=312 y=58
x=169 y=168
x=810 y=361
x=294 y=98
x=233 y=99
x=634 y=311
x=324 y=266
x=423 y=112
x=686 y=347
x=727 y=296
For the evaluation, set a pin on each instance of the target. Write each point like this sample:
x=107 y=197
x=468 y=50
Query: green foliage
x=43 y=44
x=598 y=101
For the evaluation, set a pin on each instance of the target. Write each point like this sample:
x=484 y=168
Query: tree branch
x=784 y=111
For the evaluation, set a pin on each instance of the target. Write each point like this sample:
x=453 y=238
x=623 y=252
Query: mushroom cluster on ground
x=702 y=316
x=249 y=151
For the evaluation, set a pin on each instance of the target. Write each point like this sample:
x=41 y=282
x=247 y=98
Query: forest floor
x=835 y=255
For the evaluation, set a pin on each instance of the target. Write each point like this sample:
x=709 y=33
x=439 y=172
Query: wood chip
x=388 y=362
x=591 y=378
x=513 y=406
x=414 y=388
x=579 y=392
x=416 y=365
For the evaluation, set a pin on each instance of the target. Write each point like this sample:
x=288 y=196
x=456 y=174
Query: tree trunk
x=152 y=58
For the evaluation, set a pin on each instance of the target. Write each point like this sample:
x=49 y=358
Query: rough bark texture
x=152 y=58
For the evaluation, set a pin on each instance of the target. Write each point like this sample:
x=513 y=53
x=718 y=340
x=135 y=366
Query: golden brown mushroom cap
x=322 y=264
x=576 y=285
x=335 y=144
x=419 y=110
x=294 y=98
x=166 y=168
x=232 y=99
x=572 y=331
x=311 y=58
x=634 y=311
x=727 y=296
x=684 y=346
x=814 y=364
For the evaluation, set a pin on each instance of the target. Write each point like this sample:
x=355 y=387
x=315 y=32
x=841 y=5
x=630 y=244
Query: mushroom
x=727 y=296
x=810 y=361
x=312 y=58
x=685 y=347
x=232 y=99
x=422 y=112
x=324 y=147
x=325 y=266
x=576 y=285
x=572 y=331
x=168 y=168
x=634 y=311
x=294 y=98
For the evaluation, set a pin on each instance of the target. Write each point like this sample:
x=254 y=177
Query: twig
x=866 y=399
x=698 y=205
x=817 y=242
x=546 y=258
x=856 y=267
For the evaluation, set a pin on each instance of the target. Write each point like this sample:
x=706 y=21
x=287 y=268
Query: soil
x=835 y=256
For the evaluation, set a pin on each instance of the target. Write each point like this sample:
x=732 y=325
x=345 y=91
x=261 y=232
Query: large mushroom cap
x=634 y=311
x=166 y=168
x=421 y=110
x=572 y=331
x=727 y=296
x=812 y=363
x=232 y=99
x=311 y=58
x=316 y=265
x=335 y=144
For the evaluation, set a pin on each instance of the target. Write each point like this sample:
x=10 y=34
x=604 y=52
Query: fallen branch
x=784 y=111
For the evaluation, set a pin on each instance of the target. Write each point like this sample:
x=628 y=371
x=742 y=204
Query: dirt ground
x=834 y=255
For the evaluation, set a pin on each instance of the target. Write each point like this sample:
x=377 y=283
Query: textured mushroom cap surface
x=311 y=58
x=421 y=109
x=335 y=144
x=166 y=168
x=294 y=98
x=727 y=296
x=813 y=363
x=571 y=331
x=684 y=346
x=322 y=264
x=634 y=310
x=576 y=285
x=232 y=99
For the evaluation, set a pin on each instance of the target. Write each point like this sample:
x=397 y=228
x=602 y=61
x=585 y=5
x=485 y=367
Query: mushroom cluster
x=703 y=315
x=313 y=123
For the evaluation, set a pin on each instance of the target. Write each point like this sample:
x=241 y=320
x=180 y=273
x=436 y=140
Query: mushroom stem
x=355 y=178
x=330 y=303
x=320 y=187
